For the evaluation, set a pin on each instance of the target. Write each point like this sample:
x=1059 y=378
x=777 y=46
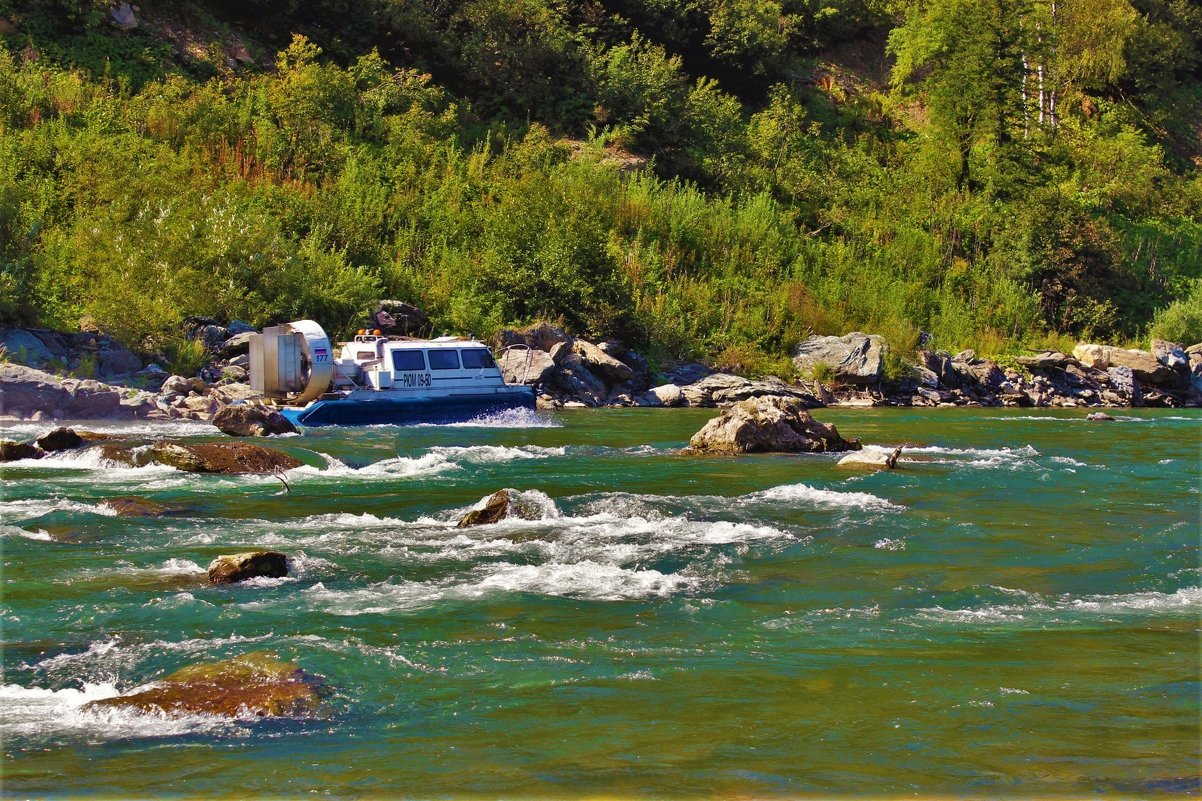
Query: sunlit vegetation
x=707 y=178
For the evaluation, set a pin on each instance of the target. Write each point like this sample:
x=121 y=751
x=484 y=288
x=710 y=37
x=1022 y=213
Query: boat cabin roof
x=441 y=343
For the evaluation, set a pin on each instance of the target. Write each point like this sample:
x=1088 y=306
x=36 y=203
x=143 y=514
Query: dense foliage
x=999 y=173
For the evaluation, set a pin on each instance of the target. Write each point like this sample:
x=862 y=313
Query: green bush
x=1180 y=321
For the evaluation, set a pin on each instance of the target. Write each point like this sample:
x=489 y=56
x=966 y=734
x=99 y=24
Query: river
x=1015 y=613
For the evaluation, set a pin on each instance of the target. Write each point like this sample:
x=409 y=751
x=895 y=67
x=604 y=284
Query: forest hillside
x=710 y=179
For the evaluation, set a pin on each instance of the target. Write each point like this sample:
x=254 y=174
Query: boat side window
x=477 y=359
x=408 y=361
x=443 y=359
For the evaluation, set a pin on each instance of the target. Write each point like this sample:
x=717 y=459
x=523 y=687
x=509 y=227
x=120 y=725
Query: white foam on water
x=37 y=713
x=36 y=507
x=584 y=580
x=1188 y=599
x=440 y=459
x=805 y=494
x=887 y=544
x=160 y=429
x=508 y=418
x=107 y=660
x=1068 y=460
x=40 y=535
x=171 y=567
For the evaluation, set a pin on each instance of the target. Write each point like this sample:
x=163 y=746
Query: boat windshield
x=477 y=359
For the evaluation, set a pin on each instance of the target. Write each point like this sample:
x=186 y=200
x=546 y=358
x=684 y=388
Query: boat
x=375 y=379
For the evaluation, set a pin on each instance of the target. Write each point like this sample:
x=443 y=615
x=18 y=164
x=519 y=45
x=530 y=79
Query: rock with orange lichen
x=250 y=685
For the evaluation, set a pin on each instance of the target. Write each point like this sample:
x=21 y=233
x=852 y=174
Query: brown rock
x=496 y=508
x=244 y=420
x=237 y=567
x=16 y=451
x=252 y=684
x=222 y=457
x=770 y=424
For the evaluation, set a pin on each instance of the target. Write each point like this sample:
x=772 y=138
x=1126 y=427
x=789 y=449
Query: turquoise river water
x=1016 y=613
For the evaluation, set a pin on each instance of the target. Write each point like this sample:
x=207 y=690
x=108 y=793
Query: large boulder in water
x=221 y=457
x=854 y=358
x=233 y=568
x=255 y=684
x=245 y=420
x=60 y=439
x=770 y=424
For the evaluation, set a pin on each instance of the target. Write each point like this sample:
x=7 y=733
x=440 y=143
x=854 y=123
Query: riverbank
x=569 y=372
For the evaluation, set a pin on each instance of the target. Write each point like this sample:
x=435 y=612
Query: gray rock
x=560 y=351
x=25 y=391
x=91 y=404
x=528 y=366
x=601 y=364
x=24 y=348
x=1170 y=354
x=117 y=360
x=579 y=383
x=1124 y=382
x=724 y=389
x=855 y=358
x=240 y=327
x=212 y=336
x=684 y=373
x=768 y=425
x=664 y=395
x=236 y=345
x=1099 y=416
x=1146 y=367
x=179 y=385
x=1044 y=360
x=402 y=318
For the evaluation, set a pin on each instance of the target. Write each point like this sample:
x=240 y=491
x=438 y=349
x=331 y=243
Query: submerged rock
x=133 y=506
x=252 y=684
x=237 y=567
x=770 y=424
x=221 y=457
x=244 y=420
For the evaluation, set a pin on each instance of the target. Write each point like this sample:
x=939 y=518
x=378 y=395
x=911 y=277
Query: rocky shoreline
x=569 y=372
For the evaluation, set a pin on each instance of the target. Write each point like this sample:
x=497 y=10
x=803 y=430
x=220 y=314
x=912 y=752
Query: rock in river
x=252 y=564
x=886 y=460
x=16 y=451
x=221 y=457
x=767 y=425
x=60 y=439
x=252 y=684
x=494 y=509
x=245 y=420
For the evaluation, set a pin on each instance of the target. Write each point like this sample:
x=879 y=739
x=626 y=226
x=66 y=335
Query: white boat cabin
x=374 y=362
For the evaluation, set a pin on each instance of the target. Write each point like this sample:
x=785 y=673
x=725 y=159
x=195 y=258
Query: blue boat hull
x=408 y=411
